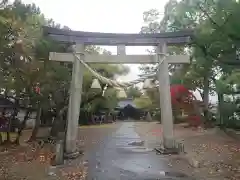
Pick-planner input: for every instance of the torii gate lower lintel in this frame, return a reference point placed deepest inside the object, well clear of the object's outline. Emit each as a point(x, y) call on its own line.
point(161, 40)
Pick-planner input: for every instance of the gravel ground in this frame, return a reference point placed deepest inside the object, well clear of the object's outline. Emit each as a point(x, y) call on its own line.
point(27, 162)
point(213, 154)
point(210, 154)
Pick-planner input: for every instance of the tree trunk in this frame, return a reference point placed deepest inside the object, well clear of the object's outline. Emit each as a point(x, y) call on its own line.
point(54, 129)
point(7, 141)
point(37, 124)
point(205, 97)
point(1, 139)
point(22, 125)
point(220, 110)
point(8, 137)
point(59, 122)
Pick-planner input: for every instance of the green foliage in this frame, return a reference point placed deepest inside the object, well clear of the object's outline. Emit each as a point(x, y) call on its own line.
point(133, 92)
point(24, 61)
point(230, 114)
point(143, 102)
point(215, 42)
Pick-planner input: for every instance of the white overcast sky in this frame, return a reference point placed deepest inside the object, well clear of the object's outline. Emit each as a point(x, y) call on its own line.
point(122, 16)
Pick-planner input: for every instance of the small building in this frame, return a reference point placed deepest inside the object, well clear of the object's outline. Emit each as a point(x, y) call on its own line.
point(123, 103)
point(127, 109)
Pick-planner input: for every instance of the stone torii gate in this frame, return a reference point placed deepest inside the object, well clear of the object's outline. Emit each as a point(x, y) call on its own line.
point(81, 39)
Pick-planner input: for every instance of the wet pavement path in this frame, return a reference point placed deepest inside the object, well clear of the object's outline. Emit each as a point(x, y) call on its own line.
point(119, 158)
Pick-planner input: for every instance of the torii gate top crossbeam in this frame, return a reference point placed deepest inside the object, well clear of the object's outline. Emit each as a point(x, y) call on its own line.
point(96, 38)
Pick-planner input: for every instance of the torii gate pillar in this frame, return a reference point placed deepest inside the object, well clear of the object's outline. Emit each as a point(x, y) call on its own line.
point(165, 98)
point(74, 103)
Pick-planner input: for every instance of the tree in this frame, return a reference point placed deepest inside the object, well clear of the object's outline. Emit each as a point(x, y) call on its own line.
point(133, 92)
point(25, 65)
point(215, 39)
point(143, 102)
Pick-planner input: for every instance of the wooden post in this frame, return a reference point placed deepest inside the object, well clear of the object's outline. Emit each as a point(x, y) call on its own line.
point(165, 99)
point(74, 104)
point(59, 152)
